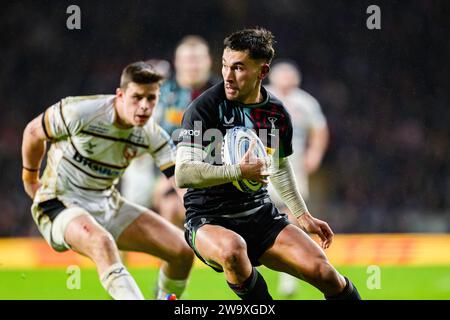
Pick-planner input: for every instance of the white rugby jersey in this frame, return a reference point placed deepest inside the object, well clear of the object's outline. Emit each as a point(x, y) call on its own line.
point(305, 114)
point(89, 152)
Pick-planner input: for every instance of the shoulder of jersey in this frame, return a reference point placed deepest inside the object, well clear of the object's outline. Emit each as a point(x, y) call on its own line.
point(209, 97)
point(87, 107)
point(272, 98)
point(88, 103)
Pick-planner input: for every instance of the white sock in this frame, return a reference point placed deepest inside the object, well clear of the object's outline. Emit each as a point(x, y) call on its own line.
point(169, 286)
point(120, 284)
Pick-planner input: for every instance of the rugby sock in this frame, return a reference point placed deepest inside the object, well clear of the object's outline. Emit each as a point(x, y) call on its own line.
point(349, 293)
point(254, 288)
point(167, 286)
point(120, 284)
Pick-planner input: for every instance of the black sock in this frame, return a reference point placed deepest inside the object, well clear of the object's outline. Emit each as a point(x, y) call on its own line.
point(349, 293)
point(254, 288)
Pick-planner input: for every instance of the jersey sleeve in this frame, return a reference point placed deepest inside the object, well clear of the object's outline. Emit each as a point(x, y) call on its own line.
point(161, 148)
point(63, 119)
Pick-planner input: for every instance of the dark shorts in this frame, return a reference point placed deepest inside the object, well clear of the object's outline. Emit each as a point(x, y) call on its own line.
point(259, 231)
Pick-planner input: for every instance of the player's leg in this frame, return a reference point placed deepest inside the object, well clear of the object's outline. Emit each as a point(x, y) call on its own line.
point(294, 252)
point(84, 235)
point(152, 234)
point(224, 249)
point(287, 284)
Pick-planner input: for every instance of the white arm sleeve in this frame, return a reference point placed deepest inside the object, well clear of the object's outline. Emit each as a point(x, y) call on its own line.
point(284, 183)
point(192, 172)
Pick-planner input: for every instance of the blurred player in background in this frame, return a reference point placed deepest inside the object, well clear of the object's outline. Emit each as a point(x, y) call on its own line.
point(192, 76)
point(233, 231)
point(309, 141)
point(76, 205)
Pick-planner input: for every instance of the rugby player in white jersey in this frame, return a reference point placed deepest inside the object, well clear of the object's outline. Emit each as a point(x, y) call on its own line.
point(309, 141)
point(76, 204)
point(192, 76)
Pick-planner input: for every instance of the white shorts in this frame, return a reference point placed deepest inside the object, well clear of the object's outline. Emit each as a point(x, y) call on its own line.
point(109, 209)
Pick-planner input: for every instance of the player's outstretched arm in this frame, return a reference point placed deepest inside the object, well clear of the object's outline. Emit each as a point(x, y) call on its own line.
point(33, 150)
point(284, 182)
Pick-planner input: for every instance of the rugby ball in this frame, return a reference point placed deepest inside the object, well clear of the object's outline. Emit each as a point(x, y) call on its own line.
point(235, 144)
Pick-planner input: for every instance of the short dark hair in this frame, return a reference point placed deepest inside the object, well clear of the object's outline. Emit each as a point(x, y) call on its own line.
point(258, 41)
point(139, 72)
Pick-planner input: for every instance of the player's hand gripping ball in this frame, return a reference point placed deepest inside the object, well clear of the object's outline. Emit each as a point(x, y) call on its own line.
point(235, 144)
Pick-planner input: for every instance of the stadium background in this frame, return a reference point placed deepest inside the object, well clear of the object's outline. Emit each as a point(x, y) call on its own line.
point(384, 92)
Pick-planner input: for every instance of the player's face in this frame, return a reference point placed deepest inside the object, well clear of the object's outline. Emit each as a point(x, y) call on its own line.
point(284, 78)
point(242, 75)
point(193, 65)
point(136, 103)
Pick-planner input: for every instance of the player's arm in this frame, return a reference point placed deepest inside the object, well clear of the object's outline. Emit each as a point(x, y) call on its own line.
point(192, 172)
point(33, 150)
point(316, 147)
point(284, 183)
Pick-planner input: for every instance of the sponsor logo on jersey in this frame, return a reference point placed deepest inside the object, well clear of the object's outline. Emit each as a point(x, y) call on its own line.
point(228, 122)
point(136, 138)
point(190, 133)
point(100, 128)
point(94, 166)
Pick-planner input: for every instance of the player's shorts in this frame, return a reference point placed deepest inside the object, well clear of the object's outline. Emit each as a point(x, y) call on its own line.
point(109, 209)
point(259, 230)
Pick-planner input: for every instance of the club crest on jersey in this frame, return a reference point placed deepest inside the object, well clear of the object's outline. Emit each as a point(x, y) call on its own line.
point(272, 121)
point(129, 152)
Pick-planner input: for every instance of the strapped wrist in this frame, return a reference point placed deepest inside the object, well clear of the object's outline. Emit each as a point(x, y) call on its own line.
point(30, 169)
point(30, 175)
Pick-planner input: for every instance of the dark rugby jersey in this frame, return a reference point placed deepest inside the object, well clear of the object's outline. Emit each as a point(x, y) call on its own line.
point(211, 113)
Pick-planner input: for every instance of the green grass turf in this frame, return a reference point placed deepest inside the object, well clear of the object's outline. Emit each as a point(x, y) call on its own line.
point(396, 283)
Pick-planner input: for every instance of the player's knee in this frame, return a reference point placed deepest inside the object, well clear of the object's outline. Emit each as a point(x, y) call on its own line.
point(324, 273)
point(182, 255)
point(233, 251)
point(186, 255)
point(102, 243)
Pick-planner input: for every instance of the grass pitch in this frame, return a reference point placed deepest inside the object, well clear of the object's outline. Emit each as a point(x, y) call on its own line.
point(396, 282)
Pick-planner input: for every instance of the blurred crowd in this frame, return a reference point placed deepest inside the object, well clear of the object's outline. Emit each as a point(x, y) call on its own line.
point(385, 92)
